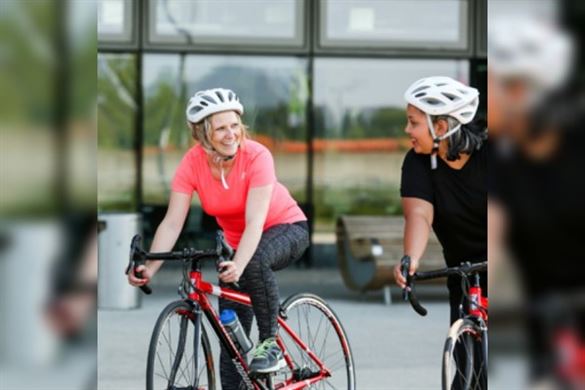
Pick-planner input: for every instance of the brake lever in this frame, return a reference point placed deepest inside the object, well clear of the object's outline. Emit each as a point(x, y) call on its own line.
point(225, 253)
point(137, 258)
point(404, 268)
point(220, 271)
point(407, 292)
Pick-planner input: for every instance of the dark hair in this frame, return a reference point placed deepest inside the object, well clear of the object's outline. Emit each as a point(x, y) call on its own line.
point(469, 138)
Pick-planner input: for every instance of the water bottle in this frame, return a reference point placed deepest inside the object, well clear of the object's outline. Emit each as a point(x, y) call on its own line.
point(230, 321)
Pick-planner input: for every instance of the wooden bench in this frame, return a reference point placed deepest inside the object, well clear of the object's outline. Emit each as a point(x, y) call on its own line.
point(368, 247)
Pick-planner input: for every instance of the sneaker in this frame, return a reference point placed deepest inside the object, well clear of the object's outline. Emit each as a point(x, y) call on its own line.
point(267, 358)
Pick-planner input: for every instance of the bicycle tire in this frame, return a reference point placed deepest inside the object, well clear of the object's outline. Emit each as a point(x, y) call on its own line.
point(464, 342)
point(334, 352)
point(175, 316)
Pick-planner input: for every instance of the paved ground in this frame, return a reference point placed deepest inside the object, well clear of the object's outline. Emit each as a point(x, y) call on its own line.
point(393, 347)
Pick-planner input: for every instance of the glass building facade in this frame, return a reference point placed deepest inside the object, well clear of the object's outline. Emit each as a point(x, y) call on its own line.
point(322, 83)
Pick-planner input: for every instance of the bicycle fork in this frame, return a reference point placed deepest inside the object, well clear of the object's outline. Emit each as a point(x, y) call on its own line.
point(181, 346)
point(180, 350)
point(196, 342)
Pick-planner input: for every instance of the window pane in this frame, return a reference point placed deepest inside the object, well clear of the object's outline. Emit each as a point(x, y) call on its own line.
point(114, 20)
point(547, 10)
point(116, 157)
point(272, 89)
point(398, 23)
point(360, 142)
point(227, 21)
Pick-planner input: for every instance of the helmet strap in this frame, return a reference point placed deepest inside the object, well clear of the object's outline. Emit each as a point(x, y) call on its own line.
point(434, 153)
point(219, 159)
point(223, 181)
point(438, 139)
point(224, 157)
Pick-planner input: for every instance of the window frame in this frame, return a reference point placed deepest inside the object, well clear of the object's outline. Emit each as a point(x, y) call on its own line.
point(463, 48)
point(298, 44)
point(129, 38)
point(480, 28)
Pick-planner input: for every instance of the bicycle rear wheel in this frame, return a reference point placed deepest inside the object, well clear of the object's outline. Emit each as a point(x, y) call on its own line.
point(464, 357)
point(318, 327)
point(171, 363)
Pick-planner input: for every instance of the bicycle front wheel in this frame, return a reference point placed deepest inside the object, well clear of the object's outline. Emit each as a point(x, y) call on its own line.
point(315, 323)
point(464, 358)
point(171, 355)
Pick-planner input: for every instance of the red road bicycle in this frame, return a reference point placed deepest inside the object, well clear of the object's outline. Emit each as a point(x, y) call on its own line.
point(465, 355)
point(181, 356)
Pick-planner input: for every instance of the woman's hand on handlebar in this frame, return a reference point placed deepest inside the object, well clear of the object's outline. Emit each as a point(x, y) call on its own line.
point(400, 280)
point(230, 272)
point(147, 274)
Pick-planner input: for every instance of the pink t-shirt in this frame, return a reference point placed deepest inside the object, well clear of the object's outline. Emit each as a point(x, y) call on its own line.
point(253, 167)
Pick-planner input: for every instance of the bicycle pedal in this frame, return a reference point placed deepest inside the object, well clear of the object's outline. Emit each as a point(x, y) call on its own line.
point(266, 375)
point(303, 373)
point(261, 375)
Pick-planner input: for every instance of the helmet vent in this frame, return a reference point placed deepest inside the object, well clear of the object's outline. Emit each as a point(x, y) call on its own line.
point(433, 101)
point(208, 98)
point(450, 96)
point(219, 96)
point(421, 88)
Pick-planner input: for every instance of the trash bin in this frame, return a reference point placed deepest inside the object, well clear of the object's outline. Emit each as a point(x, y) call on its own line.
point(26, 261)
point(116, 232)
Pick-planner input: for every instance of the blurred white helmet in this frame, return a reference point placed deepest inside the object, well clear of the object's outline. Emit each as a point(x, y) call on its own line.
point(440, 95)
point(526, 48)
point(211, 101)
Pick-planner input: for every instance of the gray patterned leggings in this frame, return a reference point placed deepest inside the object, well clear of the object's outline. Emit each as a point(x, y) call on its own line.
point(279, 247)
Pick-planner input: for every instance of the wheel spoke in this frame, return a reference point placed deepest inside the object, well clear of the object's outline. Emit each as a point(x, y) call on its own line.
point(318, 328)
point(173, 329)
point(463, 365)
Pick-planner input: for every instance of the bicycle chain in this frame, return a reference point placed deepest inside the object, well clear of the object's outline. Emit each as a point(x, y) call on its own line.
point(243, 373)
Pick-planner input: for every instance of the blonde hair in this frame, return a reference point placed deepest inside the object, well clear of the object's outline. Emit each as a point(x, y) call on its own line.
point(202, 131)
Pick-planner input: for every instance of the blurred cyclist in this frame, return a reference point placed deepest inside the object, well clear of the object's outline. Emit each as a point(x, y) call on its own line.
point(537, 191)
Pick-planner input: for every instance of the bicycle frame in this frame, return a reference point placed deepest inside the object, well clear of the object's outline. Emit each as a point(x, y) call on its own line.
point(477, 311)
point(198, 295)
point(478, 304)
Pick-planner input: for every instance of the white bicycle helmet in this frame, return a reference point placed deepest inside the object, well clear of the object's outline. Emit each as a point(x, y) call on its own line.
point(523, 47)
point(211, 101)
point(440, 95)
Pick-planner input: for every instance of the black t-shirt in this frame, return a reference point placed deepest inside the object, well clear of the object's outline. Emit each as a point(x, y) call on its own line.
point(459, 199)
point(544, 203)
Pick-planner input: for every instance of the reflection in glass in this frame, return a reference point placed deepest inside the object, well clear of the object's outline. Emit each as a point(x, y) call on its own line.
point(274, 93)
point(210, 21)
point(114, 20)
point(111, 17)
point(359, 137)
point(396, 23)
point(116, 106)
point(545, 10)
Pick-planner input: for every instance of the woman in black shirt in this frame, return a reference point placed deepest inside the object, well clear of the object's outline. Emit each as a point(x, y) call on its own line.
point(450, 193)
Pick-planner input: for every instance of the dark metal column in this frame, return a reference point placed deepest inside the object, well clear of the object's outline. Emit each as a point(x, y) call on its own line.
point(141, 14)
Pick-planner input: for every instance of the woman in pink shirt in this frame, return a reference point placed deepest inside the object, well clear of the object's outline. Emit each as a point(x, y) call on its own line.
point(235, 180)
